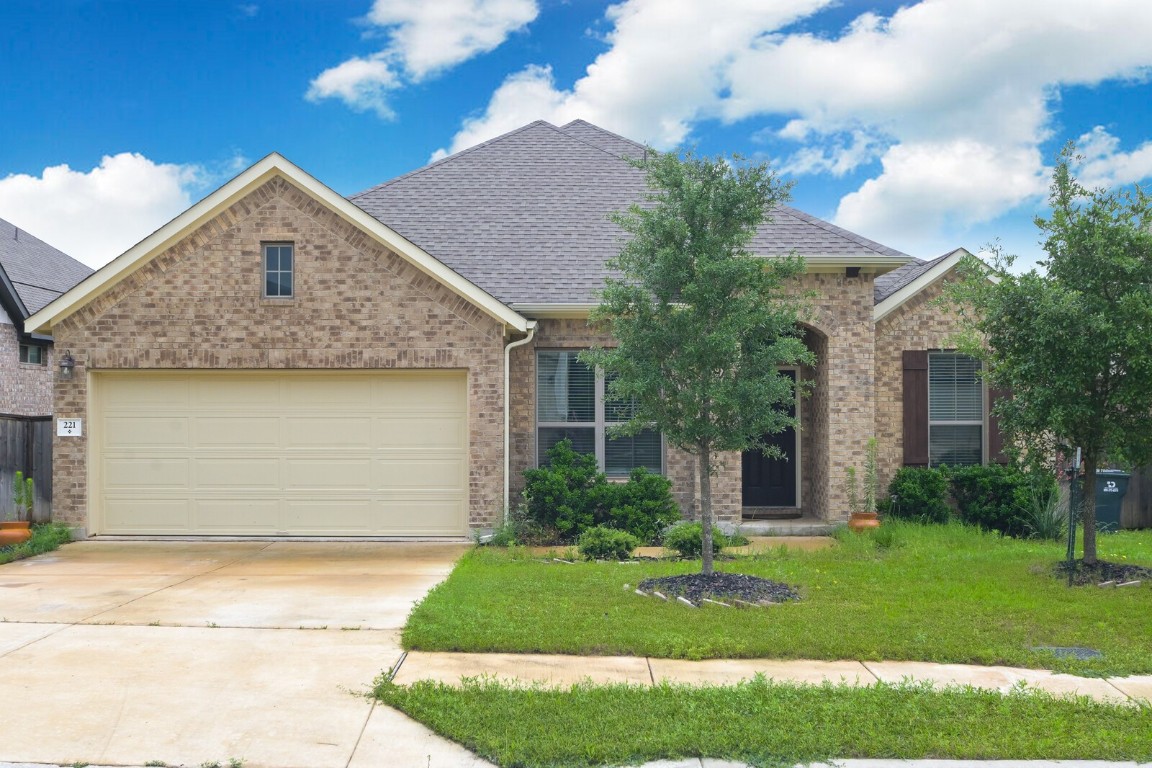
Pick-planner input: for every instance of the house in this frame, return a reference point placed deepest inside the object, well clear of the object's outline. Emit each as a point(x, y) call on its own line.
point(32, 273)
point(281, 360)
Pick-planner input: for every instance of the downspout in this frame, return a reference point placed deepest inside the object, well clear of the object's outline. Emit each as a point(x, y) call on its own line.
point(507, 399)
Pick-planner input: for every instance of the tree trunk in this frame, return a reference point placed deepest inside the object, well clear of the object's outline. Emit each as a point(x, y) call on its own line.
point(704, 466)
point(1088, 501)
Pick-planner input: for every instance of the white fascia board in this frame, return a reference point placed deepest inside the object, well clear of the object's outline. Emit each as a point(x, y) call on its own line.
point(212, 205)
point(869, 265)
point(897, 300)
point(556, 311)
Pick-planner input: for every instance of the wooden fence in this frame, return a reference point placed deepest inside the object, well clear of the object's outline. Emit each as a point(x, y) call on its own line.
point(26, 446)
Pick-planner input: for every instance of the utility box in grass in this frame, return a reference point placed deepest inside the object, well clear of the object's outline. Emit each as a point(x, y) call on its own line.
point(1111, 485)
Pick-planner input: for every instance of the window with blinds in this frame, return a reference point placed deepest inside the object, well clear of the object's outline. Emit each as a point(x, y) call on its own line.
point(955, 410)
point(571, 403)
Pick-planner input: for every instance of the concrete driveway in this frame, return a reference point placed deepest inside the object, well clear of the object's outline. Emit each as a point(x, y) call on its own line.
point(191, 652)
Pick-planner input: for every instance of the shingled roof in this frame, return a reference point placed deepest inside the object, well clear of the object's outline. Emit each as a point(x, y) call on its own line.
point(889, 283)
point(525, 215)
point(37, 271)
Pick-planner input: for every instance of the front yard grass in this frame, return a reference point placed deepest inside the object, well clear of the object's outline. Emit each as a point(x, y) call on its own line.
point(939, 593)
point(768, 724)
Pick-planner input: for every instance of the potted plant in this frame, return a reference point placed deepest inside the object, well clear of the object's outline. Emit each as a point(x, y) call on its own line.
point(23, 498)
point(862, 509)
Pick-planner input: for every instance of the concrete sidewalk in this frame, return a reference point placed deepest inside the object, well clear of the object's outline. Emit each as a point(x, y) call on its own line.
point(565, 670)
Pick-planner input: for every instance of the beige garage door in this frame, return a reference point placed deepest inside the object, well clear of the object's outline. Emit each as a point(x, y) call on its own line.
point(256, 453)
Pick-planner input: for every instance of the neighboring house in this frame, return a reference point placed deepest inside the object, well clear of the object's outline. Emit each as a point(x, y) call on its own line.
point(281, 360)
point(32, 273)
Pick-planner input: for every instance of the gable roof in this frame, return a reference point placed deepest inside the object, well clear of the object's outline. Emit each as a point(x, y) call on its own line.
point(211, 206)
point(525, 215)
point(36, 272)
point(896, 287)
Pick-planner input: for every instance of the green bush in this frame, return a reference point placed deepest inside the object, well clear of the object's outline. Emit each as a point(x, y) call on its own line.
point(687, 539)
point(602, 543)
point(998, 497)
point(919, 493)
point(570, 495)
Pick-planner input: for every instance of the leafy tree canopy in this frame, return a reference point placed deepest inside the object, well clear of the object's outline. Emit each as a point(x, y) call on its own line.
point(1073, 340)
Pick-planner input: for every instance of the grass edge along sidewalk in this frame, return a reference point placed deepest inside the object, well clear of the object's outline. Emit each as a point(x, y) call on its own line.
point(767, 723)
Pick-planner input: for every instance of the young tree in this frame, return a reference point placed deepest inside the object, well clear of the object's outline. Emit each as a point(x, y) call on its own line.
point(1074, 343)
point(701, 324)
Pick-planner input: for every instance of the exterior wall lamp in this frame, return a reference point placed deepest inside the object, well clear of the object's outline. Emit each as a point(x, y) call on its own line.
point(67, 364)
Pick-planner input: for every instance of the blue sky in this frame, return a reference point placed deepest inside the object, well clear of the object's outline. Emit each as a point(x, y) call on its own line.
point(926, 126)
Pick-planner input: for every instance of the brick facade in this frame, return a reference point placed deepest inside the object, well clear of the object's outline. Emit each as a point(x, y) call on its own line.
point(920, 323)
point(835, 420)
point(25, 389)
point(199, 305)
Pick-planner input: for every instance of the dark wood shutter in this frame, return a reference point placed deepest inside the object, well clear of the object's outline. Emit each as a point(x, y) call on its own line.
point(915, 408)
point(996, 453)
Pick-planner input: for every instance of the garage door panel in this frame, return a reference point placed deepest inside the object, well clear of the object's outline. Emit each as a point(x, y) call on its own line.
point(147, 515)
point(410, 432)
point(347, 394)
point(238, 431)
point(237, 516)
point(147, 474)
point(271, 453)
point(237, 393)
point(328, 474)
point(434, 393)
point(417, 516)
point(305, 432)
point(432, 474)
point(237, 473)
point(146, 431)
point(166, 391)
point(329, 516)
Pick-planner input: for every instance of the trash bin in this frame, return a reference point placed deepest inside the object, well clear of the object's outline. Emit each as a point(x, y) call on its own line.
point(1111, 485)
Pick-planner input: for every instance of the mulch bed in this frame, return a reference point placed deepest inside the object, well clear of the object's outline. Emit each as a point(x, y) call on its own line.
point(697, 586)
point(1102, 571)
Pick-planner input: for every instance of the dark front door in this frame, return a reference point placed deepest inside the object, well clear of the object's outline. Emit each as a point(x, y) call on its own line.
point(771, 482)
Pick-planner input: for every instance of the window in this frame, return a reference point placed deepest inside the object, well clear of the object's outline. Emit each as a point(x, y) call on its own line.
point(570, 403)
point(955, 410)
point(278, 270)
point(29, 353)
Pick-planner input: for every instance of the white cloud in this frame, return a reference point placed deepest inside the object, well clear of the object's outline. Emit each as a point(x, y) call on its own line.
point(424, 39)
point(664, 69)
point(954, 96)
point(95, 216)
point(1103, 164)
point(362, 84)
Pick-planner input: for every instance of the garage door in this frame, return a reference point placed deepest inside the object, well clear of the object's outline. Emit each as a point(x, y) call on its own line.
point(257, 453)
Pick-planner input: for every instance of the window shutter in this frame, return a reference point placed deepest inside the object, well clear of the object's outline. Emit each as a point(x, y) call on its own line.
point(915, 408)
point(995, 438)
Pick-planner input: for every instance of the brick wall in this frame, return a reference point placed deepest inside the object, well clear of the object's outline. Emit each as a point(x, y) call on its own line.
point(921, 323)
point(199, 305)
point(25, 390)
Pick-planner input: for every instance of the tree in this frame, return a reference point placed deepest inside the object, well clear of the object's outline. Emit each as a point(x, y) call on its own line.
point(701, 324)
point(1073, 343)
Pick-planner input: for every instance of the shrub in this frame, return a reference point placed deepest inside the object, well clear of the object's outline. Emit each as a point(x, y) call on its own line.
point(687, 539)
point(919, 493)
point(570, 495)
point(997, 497)
point(602, 543)
point(643, 506)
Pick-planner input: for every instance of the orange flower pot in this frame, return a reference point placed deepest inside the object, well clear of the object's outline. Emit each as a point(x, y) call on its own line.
point(14, 532)
point(862, 521)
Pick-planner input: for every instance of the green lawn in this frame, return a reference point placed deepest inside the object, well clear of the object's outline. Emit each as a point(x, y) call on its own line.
point(768, 724)
point(45, 538)
point(943, 594)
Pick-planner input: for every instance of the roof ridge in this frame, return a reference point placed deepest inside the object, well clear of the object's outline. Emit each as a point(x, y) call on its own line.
point(453, 156)
point(828, 226)
point(582, 121)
